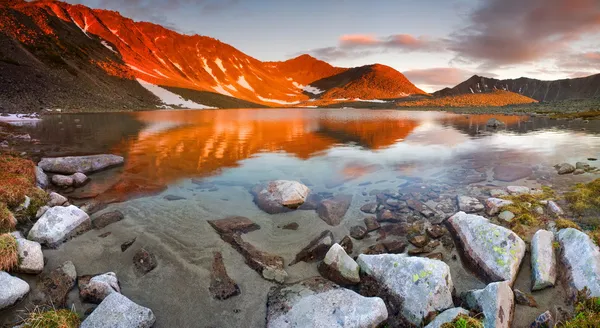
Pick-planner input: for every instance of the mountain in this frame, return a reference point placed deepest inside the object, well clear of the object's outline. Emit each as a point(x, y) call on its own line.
point(495, 98)
point(578, 88)
point(57, 55)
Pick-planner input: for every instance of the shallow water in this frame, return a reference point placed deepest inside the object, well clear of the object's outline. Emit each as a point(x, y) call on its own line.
point(336, 151)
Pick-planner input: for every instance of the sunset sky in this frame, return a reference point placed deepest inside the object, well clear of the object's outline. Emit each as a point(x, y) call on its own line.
point(436, 43)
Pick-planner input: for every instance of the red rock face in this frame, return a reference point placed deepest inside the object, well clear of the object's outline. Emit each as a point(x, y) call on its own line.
point(152, 53)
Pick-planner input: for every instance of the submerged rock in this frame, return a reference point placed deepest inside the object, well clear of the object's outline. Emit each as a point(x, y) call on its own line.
point(469, 204)
point(358, 232)
point(144, 261)
point(233, 224)
point(13, 289)
point(446, 317)
point(495, 301)
point(415, 287)
point(543, 260)
point(581, 260)
point(494, 123)
point(95, 289)
point(79, 179)
point(107, 219)
point(83, 164)
point(332, 210)
point(316, 249)
point(510, 173)
point(316, 302)
point(59, 224)
point(268, 265)
point(222, 286)
point(31, 256)
point(494, 250)
point(338, 267)
point(57, 284)
point(117, 311)
point(280, 196)
point(565, 168)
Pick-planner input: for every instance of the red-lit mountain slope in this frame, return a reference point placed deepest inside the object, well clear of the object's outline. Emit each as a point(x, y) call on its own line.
point(93, 59)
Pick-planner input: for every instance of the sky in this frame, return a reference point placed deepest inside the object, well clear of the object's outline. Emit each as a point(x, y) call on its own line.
point(435, 43)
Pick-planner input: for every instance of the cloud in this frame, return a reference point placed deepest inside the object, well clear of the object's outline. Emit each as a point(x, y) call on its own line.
point(509, 32)
point(363, 45)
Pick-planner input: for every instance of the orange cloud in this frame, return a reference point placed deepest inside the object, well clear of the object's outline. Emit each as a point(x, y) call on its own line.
point(358, 39)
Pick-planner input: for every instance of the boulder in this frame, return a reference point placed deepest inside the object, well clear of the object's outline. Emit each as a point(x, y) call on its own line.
point(565, 168)
point(469, 204)
point(221, 286)
point(57, 199)
point(581, 260)
point(31, 256)
point(269, 266)
point(56, 284)
point(332, 210)
point(59, 224)
point(338, 267)
point(420, 207)
point(496, 302)
point(494, 123)
point(446, 317)
point(117, 311)
point(316, 249)
point(280, 196)
point(543, 260)
point(415, 286)
point(95, 289)
point(582, 166)
point(316, 302)
point(494, 205)
point(41, 179)
point(83, 164)
point(494, 251)
point(79, 179)
point(107, 218)
point(62, 181)
point(13, 289)
point(518, 190)
point(233, 224)
point(144, 261)
point(510, 173)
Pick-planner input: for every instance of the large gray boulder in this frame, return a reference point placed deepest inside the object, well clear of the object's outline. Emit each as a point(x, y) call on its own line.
point(316, 302)
point(83, 164)
point(31, 256)
point(280, 196)
point(12, 290)
point(418, 286)
point(494, 251)
point(543, 261)
point(338, 267)
point(446, 317)
point(581, 259)
point(59, 224)
point(565, 168)
point(117, 311)
point(496, 301)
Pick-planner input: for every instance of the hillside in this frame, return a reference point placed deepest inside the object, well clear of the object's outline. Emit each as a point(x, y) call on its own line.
point(579, 88)
point(57, 55)
point(494, 99)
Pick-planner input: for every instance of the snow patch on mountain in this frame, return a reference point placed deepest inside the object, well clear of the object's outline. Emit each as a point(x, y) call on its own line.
point(141, 71)
point(219, 89)
point(219, 63)
point(178, 66)
point(170, 98)
point(242, 81)
point(282, 102)
point(160, 73)
point(208, 69)
point(104, 43)
point(371, 100)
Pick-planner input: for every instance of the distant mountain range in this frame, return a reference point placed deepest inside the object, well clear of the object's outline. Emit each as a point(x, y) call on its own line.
point(57, 55)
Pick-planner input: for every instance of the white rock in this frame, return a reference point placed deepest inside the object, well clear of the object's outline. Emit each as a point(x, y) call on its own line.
point(338, 267)
point(447, 317)
point(494, 205)
point(62, 181)
point(506, 216)
point(497, 193)
point(496, 251)
point(421, 285)
point(79, 179)
point(469, 204)
point(41, 211)
point(581, 259)
point(57, 199)
point(41, 178)
point(316, 302)
point(554, 209)
point(518, 190)
point(83, 164)
point(32, 258)
point(117, 311)
point(13, 289)
point(496, 301)
point(59, 224)
point(543, 261)
point(280, 195)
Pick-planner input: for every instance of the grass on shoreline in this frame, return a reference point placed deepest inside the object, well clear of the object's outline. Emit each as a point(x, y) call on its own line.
point(7, 220)
point(62, 318)
point(9, 254)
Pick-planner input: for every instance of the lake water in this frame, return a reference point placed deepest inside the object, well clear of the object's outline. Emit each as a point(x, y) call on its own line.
point(212, 158)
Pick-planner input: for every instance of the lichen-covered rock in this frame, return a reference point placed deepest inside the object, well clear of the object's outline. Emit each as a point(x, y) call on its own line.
point(543, 260)
point(418, 286)
point(338, 267)
point(316, 249)
point(83, 164)
point(12, 290)
point(316, 302)
point(117, 311)
point(469, 204)
point(280, 196)
point(59, 224)
point(95, 289)
point(496, 302)
point(446, 317)
point(581, 259)
point(31, 256)
point(41, 179)
point(333, 210)
point(494, 250)
point(494, 205)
